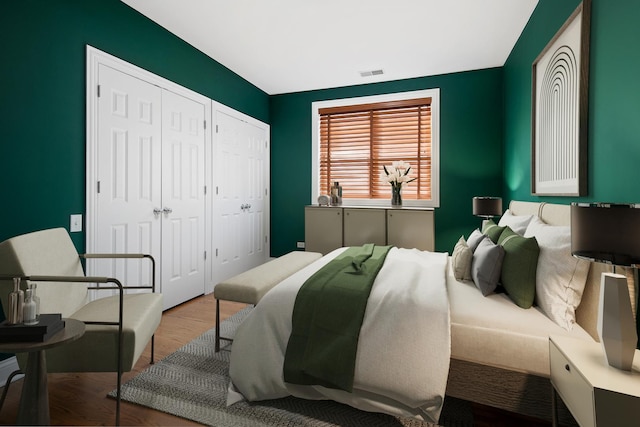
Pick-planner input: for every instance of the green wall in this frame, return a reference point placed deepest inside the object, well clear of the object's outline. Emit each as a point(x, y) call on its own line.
point(614, 100)
point(485, 120)
point(42, 97)
point(470, 144)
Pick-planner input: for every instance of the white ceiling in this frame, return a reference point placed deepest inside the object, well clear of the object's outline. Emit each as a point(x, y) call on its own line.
point(284, 46)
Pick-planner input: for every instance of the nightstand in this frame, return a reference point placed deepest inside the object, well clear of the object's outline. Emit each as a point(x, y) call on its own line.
point(595, 393)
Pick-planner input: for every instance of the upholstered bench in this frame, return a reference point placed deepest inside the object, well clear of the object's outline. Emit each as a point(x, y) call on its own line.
point(249, 287)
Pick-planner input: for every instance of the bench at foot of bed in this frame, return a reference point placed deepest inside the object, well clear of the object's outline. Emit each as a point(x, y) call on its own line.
point(249, 287)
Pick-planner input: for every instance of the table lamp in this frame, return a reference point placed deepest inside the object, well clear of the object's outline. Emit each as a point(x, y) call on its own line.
point(610, 233)
point(487, 207)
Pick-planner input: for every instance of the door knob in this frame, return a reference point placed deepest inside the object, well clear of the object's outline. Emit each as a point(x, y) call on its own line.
point(167, 210)
point(157, 211)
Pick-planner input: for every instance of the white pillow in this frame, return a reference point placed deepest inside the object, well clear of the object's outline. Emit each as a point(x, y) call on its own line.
point(474, 239)
point(461, 260)
point(517, 223)
point(560, 277)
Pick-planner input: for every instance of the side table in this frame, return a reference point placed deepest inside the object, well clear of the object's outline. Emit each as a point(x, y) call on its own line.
point(596, 394)
point(34, 401)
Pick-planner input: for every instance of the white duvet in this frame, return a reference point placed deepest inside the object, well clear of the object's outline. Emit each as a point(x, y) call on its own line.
point(403, 354)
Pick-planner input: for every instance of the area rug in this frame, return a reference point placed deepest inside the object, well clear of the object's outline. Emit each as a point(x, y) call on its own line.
point(192, 383)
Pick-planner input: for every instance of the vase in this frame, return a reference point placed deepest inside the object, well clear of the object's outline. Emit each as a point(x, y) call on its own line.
point(616, 327)
point(396, 195)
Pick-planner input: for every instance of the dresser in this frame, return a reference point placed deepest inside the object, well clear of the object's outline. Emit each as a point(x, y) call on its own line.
point(330, 227)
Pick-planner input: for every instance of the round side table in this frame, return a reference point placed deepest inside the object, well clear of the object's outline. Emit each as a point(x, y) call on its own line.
point(34, 401)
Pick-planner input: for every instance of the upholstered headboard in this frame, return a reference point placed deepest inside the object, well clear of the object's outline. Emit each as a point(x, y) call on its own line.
point(587, 311)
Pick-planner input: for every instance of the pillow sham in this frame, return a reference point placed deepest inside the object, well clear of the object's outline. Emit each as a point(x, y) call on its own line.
point(461, 260)
point(492, 230)
point(486, 266)
point(560, 277)
point(517, 223)
point(474, 239)
point(518, 276)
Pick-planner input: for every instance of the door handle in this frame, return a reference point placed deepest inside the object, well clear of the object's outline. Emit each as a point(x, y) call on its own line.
point(157, 211)
point(167, 210)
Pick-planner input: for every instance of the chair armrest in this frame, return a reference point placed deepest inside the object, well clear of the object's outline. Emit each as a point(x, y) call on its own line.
point(75, 279)
point(129, 256)
point(116, 256)
point(83, 279)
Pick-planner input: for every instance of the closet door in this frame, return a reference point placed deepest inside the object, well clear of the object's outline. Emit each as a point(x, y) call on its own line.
point(240, 213)
point(151, 186)
point(183, 199)
point(255, 195)
point(128, 185)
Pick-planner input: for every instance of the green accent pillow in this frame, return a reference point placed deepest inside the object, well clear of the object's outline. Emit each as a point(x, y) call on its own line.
point(519, 266)
point(492, 230)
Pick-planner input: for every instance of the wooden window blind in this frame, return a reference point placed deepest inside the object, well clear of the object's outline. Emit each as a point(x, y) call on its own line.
point(357, 141)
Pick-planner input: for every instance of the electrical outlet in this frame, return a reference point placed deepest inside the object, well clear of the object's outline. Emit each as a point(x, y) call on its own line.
point(75, 223)
point(300, 245)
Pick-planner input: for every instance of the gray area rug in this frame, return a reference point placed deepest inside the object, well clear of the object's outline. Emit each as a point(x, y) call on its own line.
point(192, 383)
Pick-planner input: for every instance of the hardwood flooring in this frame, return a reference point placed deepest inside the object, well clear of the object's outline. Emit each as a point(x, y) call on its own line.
point(80, 399)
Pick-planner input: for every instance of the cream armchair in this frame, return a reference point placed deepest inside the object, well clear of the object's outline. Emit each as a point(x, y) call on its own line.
point(118, 327)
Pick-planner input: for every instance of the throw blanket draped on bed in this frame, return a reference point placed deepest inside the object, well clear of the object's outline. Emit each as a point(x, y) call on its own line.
point(402, 360)
point(327, 317)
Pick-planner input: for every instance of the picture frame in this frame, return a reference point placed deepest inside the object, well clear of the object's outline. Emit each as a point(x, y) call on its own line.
point(560, 109)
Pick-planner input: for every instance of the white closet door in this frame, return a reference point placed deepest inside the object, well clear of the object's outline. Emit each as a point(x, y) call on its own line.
point(229, 174)
point(255, 195)
point(240, 213)
point(183, 199)
point(128, 175)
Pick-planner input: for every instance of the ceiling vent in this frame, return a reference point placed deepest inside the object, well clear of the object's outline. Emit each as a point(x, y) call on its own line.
point(371, 73)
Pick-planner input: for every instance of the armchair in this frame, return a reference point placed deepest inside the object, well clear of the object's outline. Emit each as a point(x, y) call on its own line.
point(118, 327)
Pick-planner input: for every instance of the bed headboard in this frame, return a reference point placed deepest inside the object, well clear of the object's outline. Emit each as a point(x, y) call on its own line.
point(587, 311)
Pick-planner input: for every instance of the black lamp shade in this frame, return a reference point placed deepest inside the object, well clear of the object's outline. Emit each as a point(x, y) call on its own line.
point(604, 232)
point(487, 206)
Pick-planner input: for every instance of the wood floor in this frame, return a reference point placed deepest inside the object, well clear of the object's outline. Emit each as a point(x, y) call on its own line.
point(80, 399)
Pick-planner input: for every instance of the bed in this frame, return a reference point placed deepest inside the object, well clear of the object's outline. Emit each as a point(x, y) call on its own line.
point(491, 352)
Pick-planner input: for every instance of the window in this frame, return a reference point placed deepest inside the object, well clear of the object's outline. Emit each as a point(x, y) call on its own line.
point(355, 138)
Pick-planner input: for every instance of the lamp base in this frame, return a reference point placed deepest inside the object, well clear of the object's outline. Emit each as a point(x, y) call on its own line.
point(616, 326)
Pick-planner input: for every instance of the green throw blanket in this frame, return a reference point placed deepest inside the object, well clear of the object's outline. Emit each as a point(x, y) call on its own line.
point(327, 317)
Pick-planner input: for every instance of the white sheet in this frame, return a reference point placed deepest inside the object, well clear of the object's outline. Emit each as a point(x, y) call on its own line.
point(404, 348)
point(494, 331)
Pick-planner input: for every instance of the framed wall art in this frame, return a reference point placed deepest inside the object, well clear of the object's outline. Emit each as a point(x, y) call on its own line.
point(560, 78)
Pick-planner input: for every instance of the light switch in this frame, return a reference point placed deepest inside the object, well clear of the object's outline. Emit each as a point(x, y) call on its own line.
point(76, 223)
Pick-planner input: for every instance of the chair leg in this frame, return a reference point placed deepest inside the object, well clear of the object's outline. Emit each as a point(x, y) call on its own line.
point(120, 350)
point(153, 344)
point(7, 384)
point(118, 396)
point(217, 325)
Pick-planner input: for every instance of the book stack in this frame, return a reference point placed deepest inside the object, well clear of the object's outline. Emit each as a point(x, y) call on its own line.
point(48, 326)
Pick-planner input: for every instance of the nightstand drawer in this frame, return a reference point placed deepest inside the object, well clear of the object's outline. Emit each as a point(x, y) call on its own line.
point(574, 390)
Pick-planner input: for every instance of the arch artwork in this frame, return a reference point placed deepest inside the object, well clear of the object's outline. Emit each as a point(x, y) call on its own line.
point(560, 112)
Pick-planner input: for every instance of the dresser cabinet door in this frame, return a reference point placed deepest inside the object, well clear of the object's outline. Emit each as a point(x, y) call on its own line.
point(411, 229)
point(322, 229)
point(364, 226)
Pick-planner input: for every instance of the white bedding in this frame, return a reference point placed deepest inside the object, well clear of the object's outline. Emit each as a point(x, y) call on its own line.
point(494, 331)
point(404, 348)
